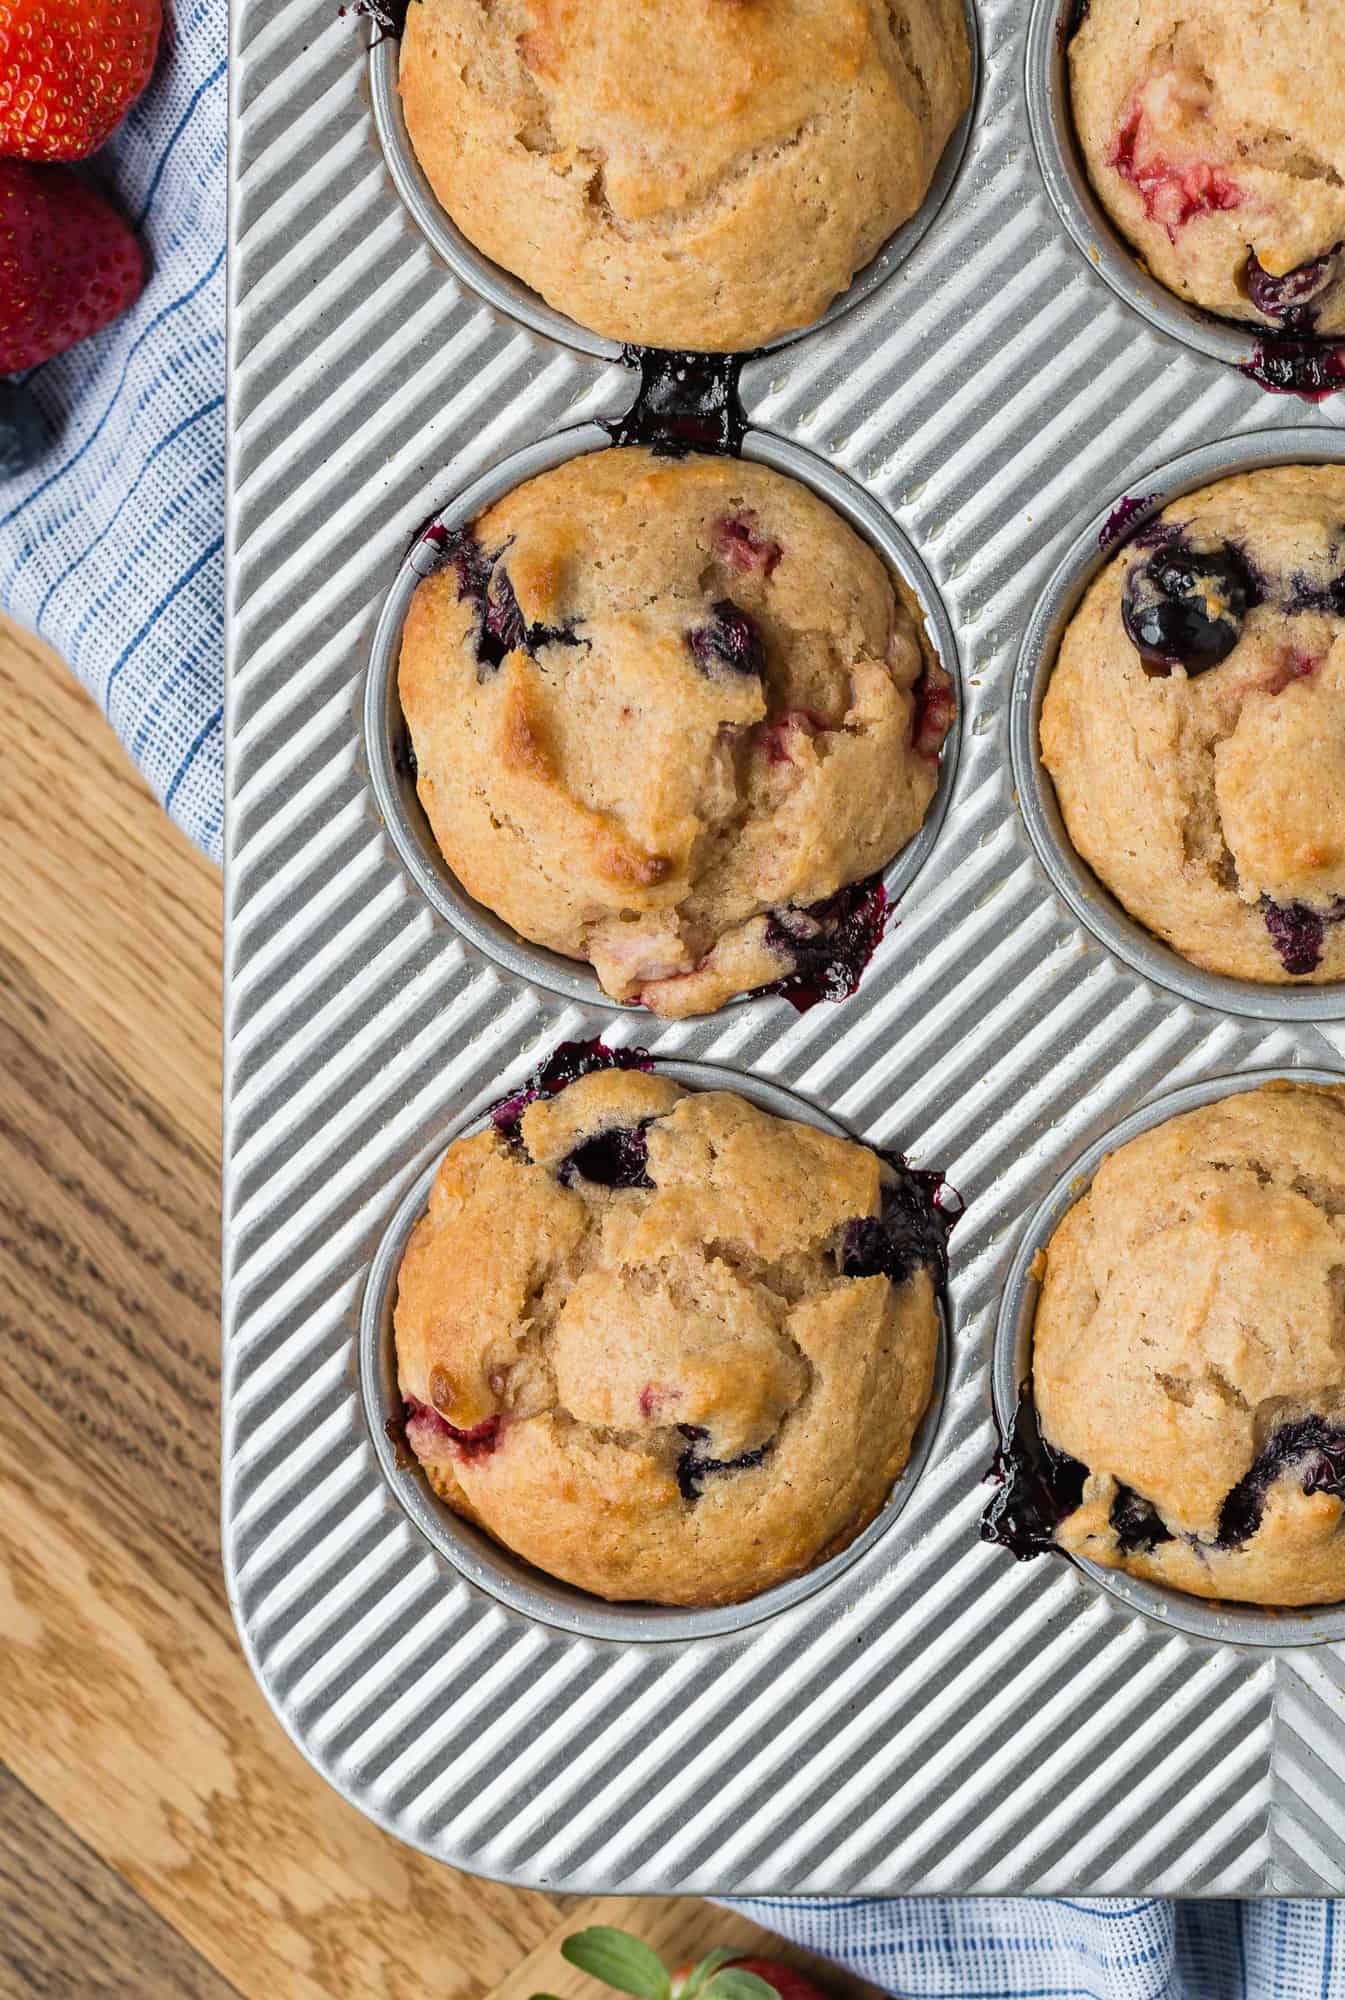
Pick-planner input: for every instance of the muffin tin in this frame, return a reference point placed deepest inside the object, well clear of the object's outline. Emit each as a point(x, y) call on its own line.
point(932, 1716)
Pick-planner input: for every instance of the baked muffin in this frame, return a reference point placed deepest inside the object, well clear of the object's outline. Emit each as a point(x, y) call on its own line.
point(1194, 725)
point(700, 174)
point(661, 710)
point(1188, 1357)
point(1213, 136)
point(662, 1345)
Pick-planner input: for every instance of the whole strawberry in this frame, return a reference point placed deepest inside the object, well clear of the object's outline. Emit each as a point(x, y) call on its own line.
point(68, 264)
point(70, 70)
point(631, 1966)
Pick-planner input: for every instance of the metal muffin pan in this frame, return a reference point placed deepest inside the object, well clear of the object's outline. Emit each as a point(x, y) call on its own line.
point(1095, 547)
point(1229, 1623)
point(385, 730)
point(938, 1717)
point(509, 295)
point(515, 1582)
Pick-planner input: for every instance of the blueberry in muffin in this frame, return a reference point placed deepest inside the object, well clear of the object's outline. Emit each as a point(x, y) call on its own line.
point(1186, 1418)
point(667, 715)
point(1212, 135)
point(1194, 725)
point(693, 174)
point(662, 1345)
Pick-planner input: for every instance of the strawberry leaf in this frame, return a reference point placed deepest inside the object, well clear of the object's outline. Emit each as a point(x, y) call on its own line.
point(733, 1983)
point(705, 1969)
point(625, 1962)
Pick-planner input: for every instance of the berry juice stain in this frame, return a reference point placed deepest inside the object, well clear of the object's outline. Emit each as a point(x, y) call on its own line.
point(685, 403)
point(830, 943)
point(1313, 370)
point(388, 17)
point(1119, 524)
point(1039, 1487)
point(917, 1213)
point(564, 1066)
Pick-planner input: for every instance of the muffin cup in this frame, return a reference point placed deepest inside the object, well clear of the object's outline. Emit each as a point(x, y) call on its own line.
point(394, 788)
point(1090, 901)
point(1228, 1623)
point(516, 300)
point(494, 1568)
point(1051, 119)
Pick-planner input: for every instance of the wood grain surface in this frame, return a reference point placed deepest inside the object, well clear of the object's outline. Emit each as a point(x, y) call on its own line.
point(159, 1834)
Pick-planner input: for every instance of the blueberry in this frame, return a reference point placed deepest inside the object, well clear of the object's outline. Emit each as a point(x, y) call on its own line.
point(909, 1231)
point(1298, 933)
point(693, 1468)
point(1136, 1521)
point(1185, 609)
point(729, 639)
point(1291, 300)
point(615, 1159)
point(22, 438)
point(1313, 1444)
point(1039, 1487)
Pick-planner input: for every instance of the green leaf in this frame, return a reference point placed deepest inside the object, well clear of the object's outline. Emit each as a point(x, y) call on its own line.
point(622, 1961)
point(706, 1968)
point(733, 1983)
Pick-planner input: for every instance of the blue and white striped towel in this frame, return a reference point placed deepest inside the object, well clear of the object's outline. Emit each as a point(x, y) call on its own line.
point(112, 549)
point(112, 546)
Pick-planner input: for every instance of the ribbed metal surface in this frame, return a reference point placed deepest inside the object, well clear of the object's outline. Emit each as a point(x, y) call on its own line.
point(940, 1719)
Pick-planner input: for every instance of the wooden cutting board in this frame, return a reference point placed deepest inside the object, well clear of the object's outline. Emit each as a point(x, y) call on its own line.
point(159, 1834)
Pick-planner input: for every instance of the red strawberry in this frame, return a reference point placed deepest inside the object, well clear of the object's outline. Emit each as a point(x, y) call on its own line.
point(788, 1982)
point(70, 70)
point(68, 264)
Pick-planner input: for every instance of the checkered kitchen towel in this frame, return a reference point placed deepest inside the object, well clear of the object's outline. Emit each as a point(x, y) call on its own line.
point(112, 548)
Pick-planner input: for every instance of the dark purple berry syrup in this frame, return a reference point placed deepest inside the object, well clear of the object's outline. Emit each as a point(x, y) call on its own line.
point(1039, 1487)
point(1294, 299)
point(484, 583)
point(918, 1211)
point(1313, 370)
point(693, 1469)
point(564, 1066)
point(686, 403)
point(1119, 524)
point(388, 16)
point(1136, 1522)
point(830, 943)
point(1311, 1445)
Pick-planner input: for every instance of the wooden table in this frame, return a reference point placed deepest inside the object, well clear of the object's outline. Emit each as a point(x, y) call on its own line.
point(159, 1835)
